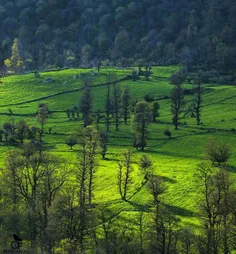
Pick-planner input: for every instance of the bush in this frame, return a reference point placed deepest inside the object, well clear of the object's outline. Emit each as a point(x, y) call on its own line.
point(167, 133)
point(71, 141)
point(148, 98)
point(218, 152)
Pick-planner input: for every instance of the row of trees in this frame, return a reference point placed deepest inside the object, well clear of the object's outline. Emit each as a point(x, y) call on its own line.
point(19, 131)
point(118, 104)
point(178, 104)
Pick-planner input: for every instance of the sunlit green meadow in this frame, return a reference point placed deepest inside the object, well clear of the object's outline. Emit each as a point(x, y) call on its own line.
point(175, 160)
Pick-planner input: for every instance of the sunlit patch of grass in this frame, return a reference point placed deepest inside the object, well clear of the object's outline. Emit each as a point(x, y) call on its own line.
point(174, 160)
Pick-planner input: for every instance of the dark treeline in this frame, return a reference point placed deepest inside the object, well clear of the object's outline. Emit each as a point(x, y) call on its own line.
point(63, 33)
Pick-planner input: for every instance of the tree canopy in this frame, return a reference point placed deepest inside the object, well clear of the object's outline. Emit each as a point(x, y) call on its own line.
point(79, 32)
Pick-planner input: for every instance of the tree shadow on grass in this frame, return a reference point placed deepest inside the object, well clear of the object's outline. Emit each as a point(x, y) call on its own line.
point(112, 159)
point(173, 154)
point(179, 211)
point(167, 179)
point(140, 207)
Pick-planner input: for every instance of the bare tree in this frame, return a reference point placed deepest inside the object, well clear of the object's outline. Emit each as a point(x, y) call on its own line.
point(124, 173)
point(108, 102)
point(116, 104)
point(177, 103)
point(197, 104)
point(126, 103)
point(37, 177)
point(55, 174)
point(42, 117)
point(103, 144)
point(108, 108)
point(163, 230)
point(89, 142)
point(85, 105)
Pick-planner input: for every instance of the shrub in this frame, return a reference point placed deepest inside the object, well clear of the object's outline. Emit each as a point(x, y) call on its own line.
point(71, 141)
point(148, 98)
point(167, 133)
point(218, 152)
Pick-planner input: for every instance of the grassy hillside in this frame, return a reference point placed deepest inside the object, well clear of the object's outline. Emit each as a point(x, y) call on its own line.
point(175, 160)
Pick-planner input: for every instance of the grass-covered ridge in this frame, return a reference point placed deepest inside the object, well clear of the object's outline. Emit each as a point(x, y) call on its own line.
point(175, 160)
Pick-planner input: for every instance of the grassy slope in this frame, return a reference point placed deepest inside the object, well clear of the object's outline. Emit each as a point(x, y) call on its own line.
point(175, 160)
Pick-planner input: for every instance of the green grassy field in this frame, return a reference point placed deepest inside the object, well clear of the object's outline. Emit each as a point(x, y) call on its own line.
point(175, 160)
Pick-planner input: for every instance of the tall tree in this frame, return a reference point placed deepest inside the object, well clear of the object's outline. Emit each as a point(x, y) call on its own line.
point(37, 178)
point(155, 110)
point(142, 117)
point(108, 102)
point(197, 104)
point(217, 198)
point(108, 108)
point(42, 117)
point(116, 104)
point(86, 103)
point(177, 104)
point(21, 130)
point(124, 174)
point(103, 144)
point(126, 103)
point(89, 142)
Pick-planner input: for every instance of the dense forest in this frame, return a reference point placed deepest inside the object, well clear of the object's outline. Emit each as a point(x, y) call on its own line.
point(63, 33)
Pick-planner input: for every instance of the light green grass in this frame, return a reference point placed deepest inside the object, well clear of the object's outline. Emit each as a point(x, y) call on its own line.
point(174, 160)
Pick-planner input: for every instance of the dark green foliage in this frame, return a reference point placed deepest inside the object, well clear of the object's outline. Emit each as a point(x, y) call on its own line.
point(218, 152)
point(155, 110)
point(148, 98)
point(145, 165)
point(142, 117)
point(178, 78)
point(21, 130)
point(71, 141)
point(103, 144)
point(165, 32)
point(167, 133)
